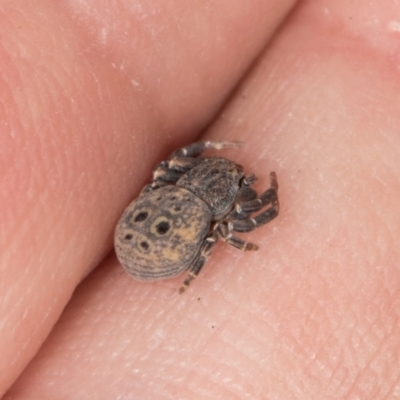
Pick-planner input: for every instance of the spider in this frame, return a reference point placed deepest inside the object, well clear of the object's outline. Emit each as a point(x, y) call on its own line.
point(191, 203)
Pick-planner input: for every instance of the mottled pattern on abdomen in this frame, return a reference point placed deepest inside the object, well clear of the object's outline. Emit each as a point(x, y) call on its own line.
point(160, 233)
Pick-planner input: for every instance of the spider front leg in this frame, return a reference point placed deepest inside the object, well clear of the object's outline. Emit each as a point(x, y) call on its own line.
point(244, 196)
point(199, 261)
point(270, 196)
point(183, 160)
point(169, 172)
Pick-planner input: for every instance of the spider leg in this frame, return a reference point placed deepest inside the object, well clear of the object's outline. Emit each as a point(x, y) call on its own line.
point(245, 195)
point(245, 224)
point(181, 161)
point(162, 176)
point(225, 234)
point(249, 180)
point(199, 260)
point(163, 172)
point(169, 172)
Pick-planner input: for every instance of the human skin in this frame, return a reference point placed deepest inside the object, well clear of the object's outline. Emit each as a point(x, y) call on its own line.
point(94, 94)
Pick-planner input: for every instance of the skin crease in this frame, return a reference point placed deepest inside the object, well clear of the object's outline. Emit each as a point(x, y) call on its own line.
point(314, 313)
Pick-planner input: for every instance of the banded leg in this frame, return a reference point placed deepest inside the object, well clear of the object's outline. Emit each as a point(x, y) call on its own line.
point(225, 234)
point(270, 196)
point(170, 171)
point(249, 180)
point(162, 176)
point(245, 194)
point(199, 261)
point(162, 172)
point(196, 148)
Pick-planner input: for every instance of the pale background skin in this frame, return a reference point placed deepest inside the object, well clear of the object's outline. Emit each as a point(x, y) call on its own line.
point(94, 93)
